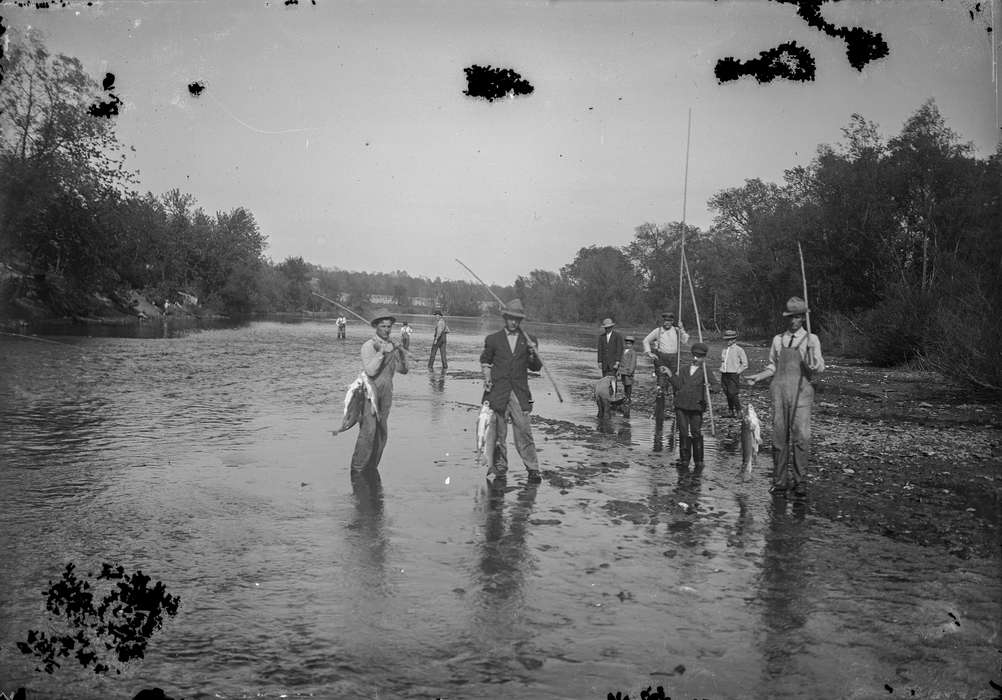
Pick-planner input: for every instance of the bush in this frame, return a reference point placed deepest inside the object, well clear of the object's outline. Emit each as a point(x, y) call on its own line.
point(897, 327)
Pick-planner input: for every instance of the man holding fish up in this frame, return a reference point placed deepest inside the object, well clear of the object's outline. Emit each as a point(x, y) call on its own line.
point(381, 358)
point(507, 357)
point(794, 357)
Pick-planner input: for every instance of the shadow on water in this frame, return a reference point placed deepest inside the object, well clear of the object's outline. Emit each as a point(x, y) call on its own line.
point(503, 565)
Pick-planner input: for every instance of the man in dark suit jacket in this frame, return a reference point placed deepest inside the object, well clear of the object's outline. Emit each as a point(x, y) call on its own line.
point(610, 348)
point(507, 357)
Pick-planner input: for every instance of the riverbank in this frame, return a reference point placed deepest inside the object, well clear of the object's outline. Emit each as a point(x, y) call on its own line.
point(902, 453)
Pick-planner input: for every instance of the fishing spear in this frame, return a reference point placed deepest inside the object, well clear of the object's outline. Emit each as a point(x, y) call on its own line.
point(498, 299)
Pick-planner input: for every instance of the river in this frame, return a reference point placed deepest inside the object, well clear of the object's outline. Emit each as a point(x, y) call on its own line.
point(204, 457)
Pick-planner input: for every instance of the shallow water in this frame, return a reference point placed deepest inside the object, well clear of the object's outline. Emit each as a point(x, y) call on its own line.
point(205, 459)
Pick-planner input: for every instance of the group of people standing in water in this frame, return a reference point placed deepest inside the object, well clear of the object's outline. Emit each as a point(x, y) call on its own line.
point(510, 354)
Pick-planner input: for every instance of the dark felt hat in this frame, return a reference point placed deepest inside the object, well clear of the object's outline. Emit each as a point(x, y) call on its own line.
point(513, 309)
point(700, 349)
point(608, 323)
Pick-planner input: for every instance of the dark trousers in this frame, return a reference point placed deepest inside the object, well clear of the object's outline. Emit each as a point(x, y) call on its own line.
point(730, 382)
point(690, 436)
point(439, 346)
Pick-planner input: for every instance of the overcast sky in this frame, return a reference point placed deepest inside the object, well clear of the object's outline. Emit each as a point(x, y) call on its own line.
point(343, 126)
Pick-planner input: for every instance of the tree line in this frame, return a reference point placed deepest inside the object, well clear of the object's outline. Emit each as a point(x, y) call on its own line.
point(900, 236)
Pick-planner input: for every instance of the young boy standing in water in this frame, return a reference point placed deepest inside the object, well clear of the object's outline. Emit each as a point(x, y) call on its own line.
point(733, 362)
point(627, 368)
point(690, 386)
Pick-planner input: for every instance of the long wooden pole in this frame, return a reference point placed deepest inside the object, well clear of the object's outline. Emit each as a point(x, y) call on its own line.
point(409, 354)
point(807, 314)
point(699, 329)
point(529, 342)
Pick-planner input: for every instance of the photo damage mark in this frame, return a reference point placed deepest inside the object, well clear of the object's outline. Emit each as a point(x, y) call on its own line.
point(195, 88)
point(796, 63)
point(107, 109)
point(495, 83)
point(785, 61)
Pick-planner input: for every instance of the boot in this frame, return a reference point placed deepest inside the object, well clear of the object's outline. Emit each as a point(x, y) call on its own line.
point(684, 451)
point(697, 451)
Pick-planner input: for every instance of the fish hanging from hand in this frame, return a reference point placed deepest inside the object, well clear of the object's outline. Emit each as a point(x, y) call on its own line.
point(486, 434)
point(361, 396)
point(751, 438)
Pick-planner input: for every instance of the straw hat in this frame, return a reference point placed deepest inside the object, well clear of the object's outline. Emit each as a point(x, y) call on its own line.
point(629, 339)
point(730, 335)
point(608, 323)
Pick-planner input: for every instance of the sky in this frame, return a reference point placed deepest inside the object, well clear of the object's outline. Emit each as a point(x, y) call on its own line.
point(344, 128)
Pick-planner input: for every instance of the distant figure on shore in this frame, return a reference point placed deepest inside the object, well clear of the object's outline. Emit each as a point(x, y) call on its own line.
point(733, 361)
point(381, 358)
point(438, 341)
point(794, 358)
point(405, 335)
point(342, 323)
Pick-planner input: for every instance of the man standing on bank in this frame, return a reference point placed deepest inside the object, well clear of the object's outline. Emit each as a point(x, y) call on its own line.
point(507, 357)
point(610, 348)
point(381, 358)
point(733, 361)
point(795, 356)
point(690, 403)
point(438, 341)
point(664, 343)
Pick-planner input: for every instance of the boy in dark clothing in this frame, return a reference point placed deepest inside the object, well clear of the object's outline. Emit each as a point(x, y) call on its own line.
point(690, 386)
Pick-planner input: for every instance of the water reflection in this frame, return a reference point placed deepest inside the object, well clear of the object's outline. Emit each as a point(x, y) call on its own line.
point(504, 560)
point(367, 531)
point(784, 583)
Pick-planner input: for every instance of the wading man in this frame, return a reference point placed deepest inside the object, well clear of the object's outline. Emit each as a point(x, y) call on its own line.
point(610, 348)
point(795, 356)
point(438, 341)
point(381, 359)
point(507, 357)
point(664, 342)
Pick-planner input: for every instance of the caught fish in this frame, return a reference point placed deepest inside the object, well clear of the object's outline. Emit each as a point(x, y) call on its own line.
point(361, 396)
point(751, 438)
point(486, 434)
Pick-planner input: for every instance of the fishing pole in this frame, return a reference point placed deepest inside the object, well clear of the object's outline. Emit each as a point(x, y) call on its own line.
point(40, 340)
point(807, 311)
point(681, 259)
point(410, 355)
point(498, 299)
point(699, 330)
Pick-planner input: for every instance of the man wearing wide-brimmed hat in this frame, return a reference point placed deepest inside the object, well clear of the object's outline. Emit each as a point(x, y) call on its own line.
point(795, 356)
point(507, 357)
point(733, 361)
point(381, 358)
point(610, 348)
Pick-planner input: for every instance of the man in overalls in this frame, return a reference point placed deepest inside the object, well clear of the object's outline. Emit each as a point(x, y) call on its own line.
point(795, 356)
